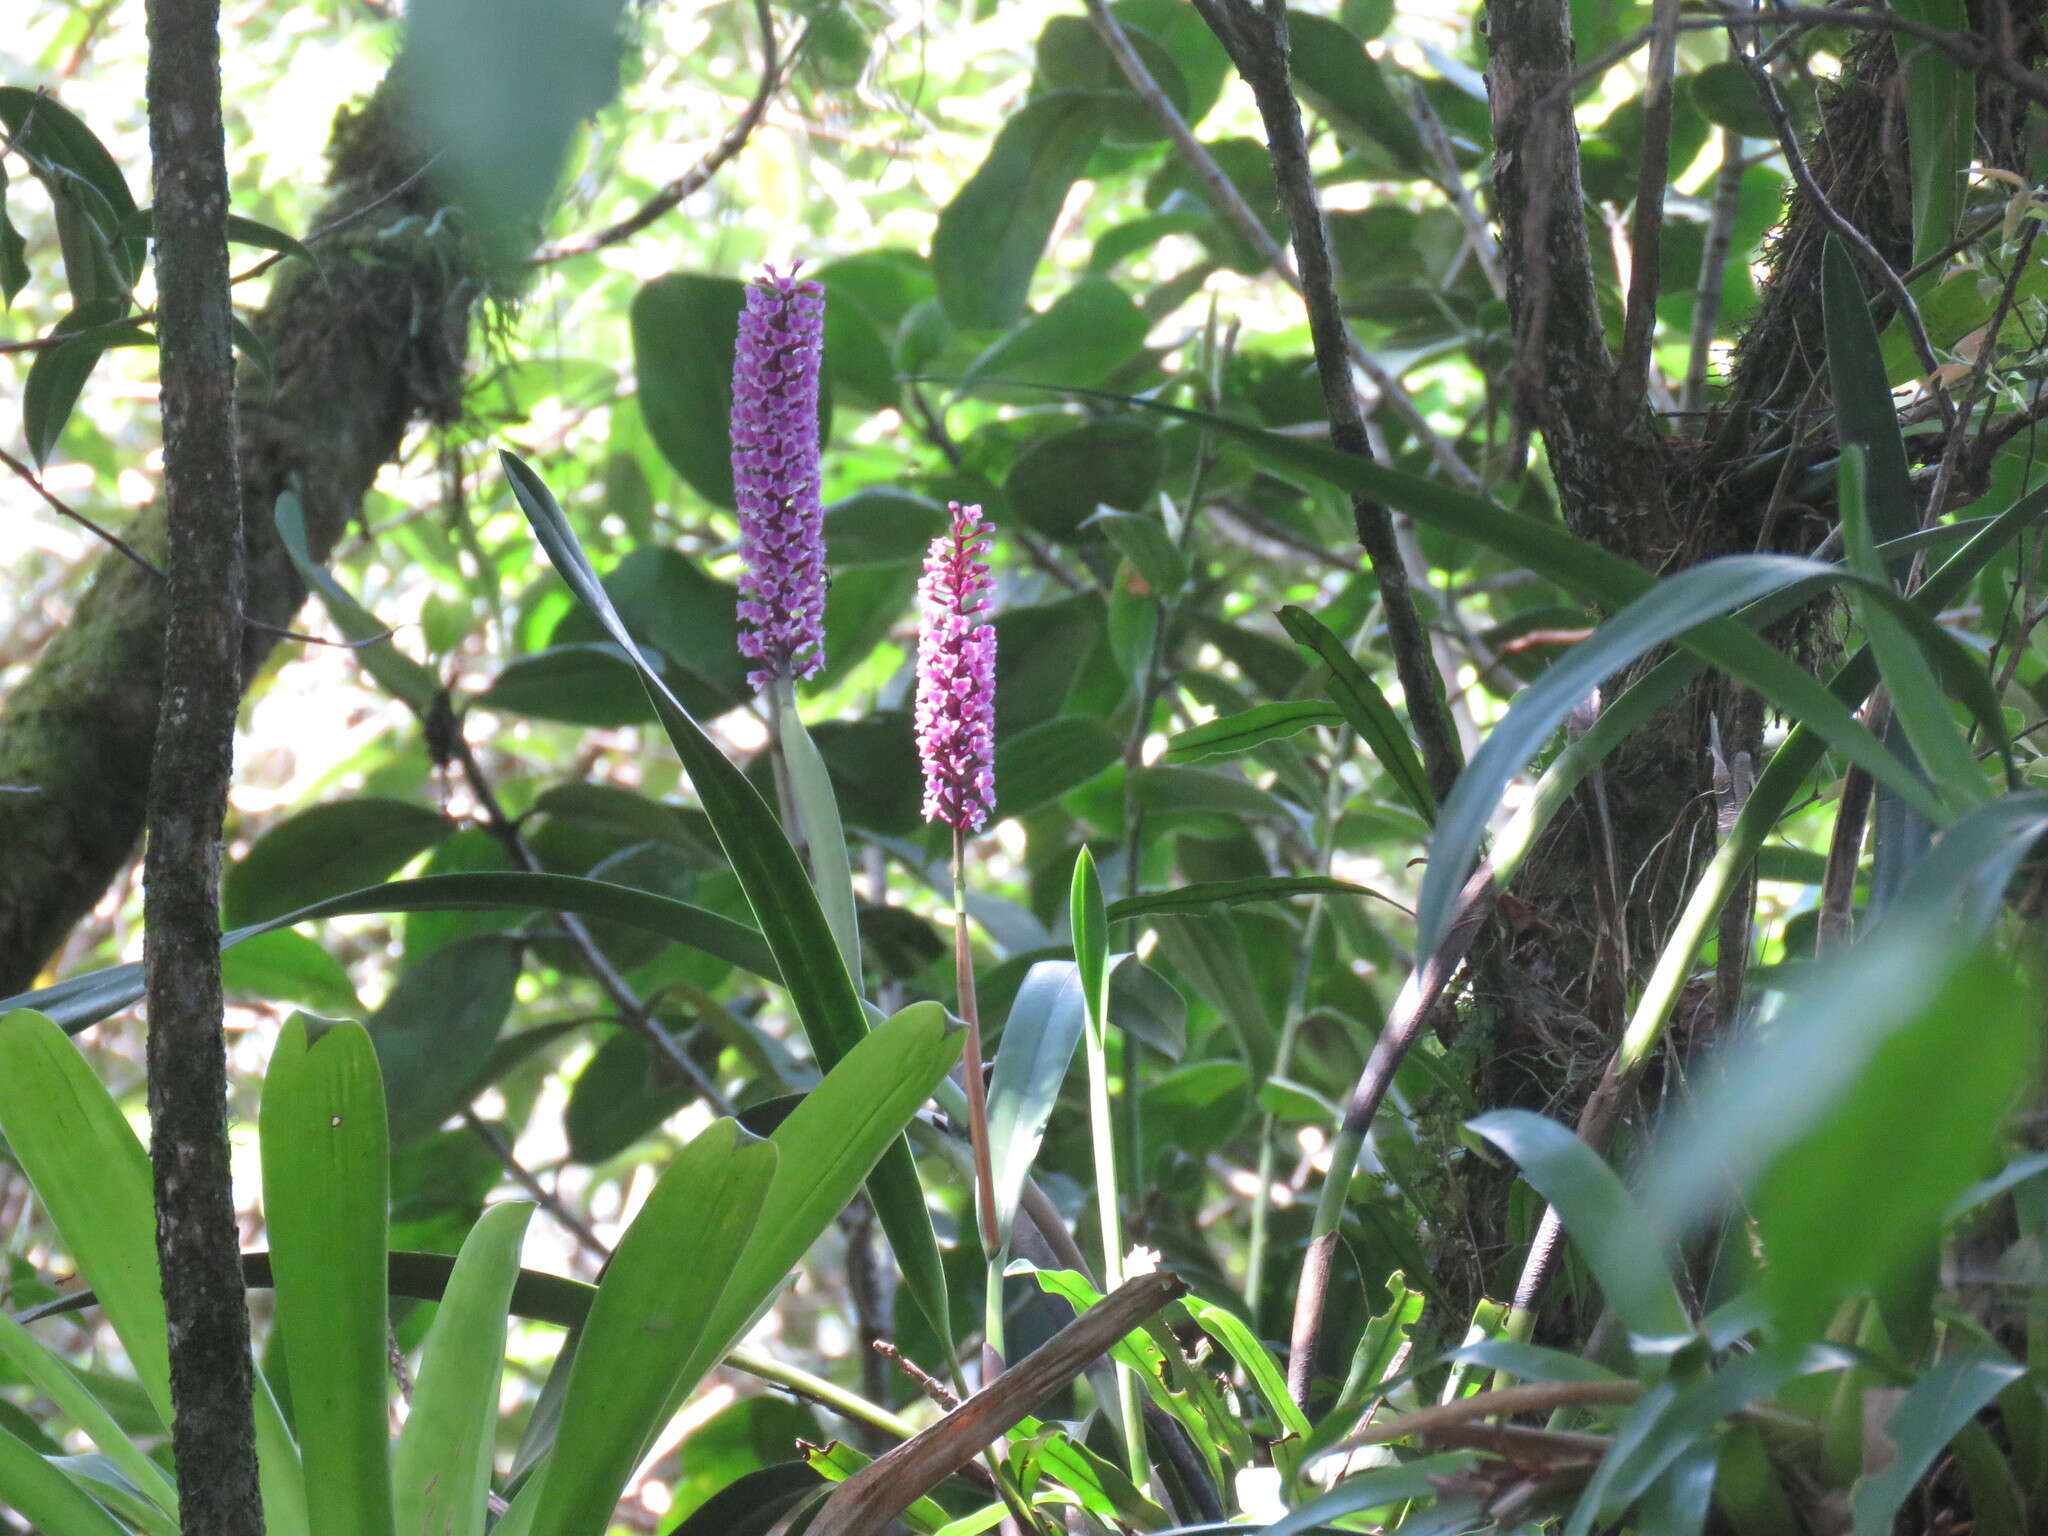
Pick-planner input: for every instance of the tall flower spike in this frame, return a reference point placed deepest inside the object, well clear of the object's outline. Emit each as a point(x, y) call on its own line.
point(956, 676)
point(775, 477)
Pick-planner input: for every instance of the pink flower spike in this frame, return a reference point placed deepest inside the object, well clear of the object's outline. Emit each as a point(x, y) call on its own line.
point(775, 477)
point(956, 676)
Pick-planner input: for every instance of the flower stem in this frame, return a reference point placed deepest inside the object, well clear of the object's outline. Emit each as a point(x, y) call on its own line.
point(977, 1107)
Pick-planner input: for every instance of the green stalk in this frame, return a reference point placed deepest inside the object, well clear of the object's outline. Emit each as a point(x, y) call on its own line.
point(977, 1118)
point(1283, 1053)
point(1090, 923)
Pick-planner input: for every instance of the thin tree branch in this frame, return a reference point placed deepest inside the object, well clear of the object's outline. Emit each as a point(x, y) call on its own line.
point(730, 144)
point(1223, 196)
point(1854, 238)
point(1403, 1027)
point(213, 1435)
point(1257, 43)
point(631, 1008)
point(1706, 304)
point(1646, 224)
point(105, 535)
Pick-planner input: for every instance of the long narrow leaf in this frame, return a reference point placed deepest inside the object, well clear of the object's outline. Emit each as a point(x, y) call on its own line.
point(1930, 1415)
point(768, 870)
point(441, 1472)
point(52, 1504)
point(1685, 602)
point(1602, 1219)
point(1045, 1024)
point(1362, 703)
point(52, 1378)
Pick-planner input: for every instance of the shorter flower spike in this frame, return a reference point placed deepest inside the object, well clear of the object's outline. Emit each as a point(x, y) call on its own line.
point(775, 477)
point(956, 676)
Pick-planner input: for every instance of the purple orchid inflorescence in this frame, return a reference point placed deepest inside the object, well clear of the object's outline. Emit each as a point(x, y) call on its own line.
point(956, 676)
point(775, 477)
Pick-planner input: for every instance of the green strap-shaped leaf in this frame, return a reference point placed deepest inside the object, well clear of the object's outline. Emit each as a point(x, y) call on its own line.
point(326, 1189)
point(1359, 697)
point(776, 887)
point(52, 1504)
point(1930, 1415)
point(658, 1300)
point(1250, 729)
point(1917, 697)
point(1045, 1024)
point(1864, 409)
point(441, 1472)
point(1602, 1220)
point(828, 1144)
point(52, 1378)
point(1204, 894)
point(84, 1000)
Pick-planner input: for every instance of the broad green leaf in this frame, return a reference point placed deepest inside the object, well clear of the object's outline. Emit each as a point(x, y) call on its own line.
point(396, 673)
point(436, 1029)
point(1037, 765)
point(881, 526)
point(1248, 730)
point(1940, 96)
point(286, 967)
point(1061, 481)
point(326, 1188)
point(990, 237)
point(1530, 1362)
point(579, 684)
point(623, 1092)
point(777, 889)
point(1072, 57)
point(1602, 1219)
point(1362, 703)
point(325, 850)
point(1346, 84)
point(685, 331)
point(93, 1179)
point(1045, 1023)
point(1142, 541)
point(441, 1472)
point(57, 374)
point(51, 1502)
point(14, 273)
point(1831, 1114)
point(657, 1302)
point(1932, 1413)
point(75, 166)
point(1082, 337)
point(1727, 97)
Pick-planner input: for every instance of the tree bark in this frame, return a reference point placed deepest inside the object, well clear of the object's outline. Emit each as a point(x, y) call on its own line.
point(367, 339)
point(198, 1249)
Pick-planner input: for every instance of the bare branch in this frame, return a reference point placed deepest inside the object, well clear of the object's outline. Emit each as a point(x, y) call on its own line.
point(730, 144)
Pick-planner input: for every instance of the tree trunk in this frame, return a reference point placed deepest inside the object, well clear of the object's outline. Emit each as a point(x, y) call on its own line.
point(370, 337)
